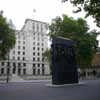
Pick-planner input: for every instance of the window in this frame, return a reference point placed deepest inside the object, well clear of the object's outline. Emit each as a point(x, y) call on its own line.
point(14, 70)
point(33, 48)
point(42, 65)
point(42, 44)
point(2, 63)
point(8, 70)
point(33, 59)
point(23, 47)
point(2, 70)
point(33, 53)
point(8, 63)
point(23, 53)
point(13, 52)
point(23, 42)
point(38, 48)
point(38, 59)
point(41, 28)
point(37, 27)
point(24, 71)
point(33, 43)
point(18, 47)
point(13, 57)
point(38, 53)
point(19, 64)
point(33, 26)
point(42, 59)
point(38, 65)
point(23, 58)
point(33, 65)
point(19, 71)
point(18, 52)
point(42, 49)
point(34, 71)
point(14, 64)
point(38, 44)
point(43, 71)
point(18, 58)
point(19, 42)
point(38, 71)
point(24, 64)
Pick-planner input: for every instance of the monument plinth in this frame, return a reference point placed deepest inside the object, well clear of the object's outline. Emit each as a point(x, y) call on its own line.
point(64, 67)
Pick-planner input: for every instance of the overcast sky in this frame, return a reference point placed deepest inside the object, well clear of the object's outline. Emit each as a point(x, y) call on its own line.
point(19, 10)
point(46, 10)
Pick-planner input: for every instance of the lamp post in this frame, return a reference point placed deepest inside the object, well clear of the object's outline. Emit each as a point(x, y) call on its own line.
point(8, 69)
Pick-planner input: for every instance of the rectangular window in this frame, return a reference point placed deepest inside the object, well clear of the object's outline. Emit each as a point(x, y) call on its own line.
point(13, 57)
point(13, 52)
point(33, 53)
point(38, 71)
point(18, 47)
point(24, 64)
point(23, 42)
point(19, 71)
point(38, 48)
point(38, 65)
point(38, 53)
point(23, 47)
point(14, 64)
point(24, 71)
point(33, 65)
point(2, 70)
point(23, 53)
point(33, 48)
point(23, 58)
point(38, 59)
point(14, 70)
point(33, 59)
point(43, 71)
point(2, 63)
point(34, 71)
point(18, 52)
point(18, 58)
point(19, 42)
point(19, 64)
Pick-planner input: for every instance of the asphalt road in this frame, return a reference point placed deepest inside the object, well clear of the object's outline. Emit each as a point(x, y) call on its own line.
point(89, 90)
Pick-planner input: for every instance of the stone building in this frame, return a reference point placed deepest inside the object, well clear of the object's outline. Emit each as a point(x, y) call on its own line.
point(26, 58)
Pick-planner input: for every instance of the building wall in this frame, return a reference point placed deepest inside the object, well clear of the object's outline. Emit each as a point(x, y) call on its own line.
point(26, 58)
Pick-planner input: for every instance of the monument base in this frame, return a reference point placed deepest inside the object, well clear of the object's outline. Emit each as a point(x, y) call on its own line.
point(65, 85)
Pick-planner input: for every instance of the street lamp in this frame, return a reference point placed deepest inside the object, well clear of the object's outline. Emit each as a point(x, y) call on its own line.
point(8, 70)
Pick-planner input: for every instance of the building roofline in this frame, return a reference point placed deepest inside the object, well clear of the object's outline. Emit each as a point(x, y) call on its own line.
point(34, 21)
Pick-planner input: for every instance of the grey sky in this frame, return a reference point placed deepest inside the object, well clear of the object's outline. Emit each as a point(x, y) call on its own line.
point(46, 10)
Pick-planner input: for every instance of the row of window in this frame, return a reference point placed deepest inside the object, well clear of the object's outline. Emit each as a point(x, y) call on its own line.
point(34, 48)
point(21, 64)
point(24, 71)
point(23, 58)
point(14, 64)
point(39, 27)
point(38, 48)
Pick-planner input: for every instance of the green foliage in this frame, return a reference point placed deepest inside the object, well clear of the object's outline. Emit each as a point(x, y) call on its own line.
point(76, 30)
point(7, 37)
point(91, 7)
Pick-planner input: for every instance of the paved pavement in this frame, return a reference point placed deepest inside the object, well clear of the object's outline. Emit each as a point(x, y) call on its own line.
point(38, 90)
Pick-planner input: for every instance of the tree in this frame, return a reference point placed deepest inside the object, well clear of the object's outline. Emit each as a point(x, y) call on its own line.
point(91, 7)
point(7, 37)
point(76, 30)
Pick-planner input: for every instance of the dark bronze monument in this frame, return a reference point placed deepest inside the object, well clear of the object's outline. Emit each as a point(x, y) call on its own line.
point(64, 68)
